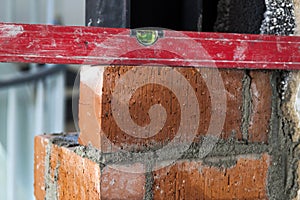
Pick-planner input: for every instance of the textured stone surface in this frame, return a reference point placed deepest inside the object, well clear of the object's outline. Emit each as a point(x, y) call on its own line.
point(291, 103)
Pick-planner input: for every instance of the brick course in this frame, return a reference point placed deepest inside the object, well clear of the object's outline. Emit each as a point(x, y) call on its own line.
point(98, 126)
point(63, 174)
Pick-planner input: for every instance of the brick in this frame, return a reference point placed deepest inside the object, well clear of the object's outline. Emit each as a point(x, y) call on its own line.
point(60, 173)
point(97, 97)
point(117, 184)
point(261, 100)
point(193, 180)
point(77, 178)
point(232, 80)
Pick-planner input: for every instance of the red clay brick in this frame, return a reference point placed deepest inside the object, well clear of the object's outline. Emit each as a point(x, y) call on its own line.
point(116, 183)
point(232, 80)
point(78, 178)
point(75, 177)
point(143, 98)
point(193, 180)
point(261, 93)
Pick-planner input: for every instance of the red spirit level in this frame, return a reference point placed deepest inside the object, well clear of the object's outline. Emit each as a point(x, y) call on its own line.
point(76, 45)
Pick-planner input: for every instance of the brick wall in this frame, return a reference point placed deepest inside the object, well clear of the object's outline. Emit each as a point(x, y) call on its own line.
point(254, 156)
point(73, 172)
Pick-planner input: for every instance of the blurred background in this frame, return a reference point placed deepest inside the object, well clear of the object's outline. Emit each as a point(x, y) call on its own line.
point(34, 98)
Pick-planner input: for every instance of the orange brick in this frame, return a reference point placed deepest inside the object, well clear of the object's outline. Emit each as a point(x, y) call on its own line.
point(193, 180)
point(78, 178)
point(40, 145)
point(118, 183)
point(66, 175)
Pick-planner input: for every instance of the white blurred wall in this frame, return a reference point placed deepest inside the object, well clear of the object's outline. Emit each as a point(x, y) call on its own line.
point(72, 12)
point(21, 11)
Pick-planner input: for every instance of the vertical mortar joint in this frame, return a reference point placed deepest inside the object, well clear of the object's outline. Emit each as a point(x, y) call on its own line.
point(247, 104)
point(149, 182)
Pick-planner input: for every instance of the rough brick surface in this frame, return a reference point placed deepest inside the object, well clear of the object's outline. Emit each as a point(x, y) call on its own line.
point(234, 89)
point(117, 184)
point(62, 174)
point(192, 180)
point(99, 127)
point(77, 178)
point(261, 101)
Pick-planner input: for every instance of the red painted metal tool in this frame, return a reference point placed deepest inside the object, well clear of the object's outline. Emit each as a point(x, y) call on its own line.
point(91, 45)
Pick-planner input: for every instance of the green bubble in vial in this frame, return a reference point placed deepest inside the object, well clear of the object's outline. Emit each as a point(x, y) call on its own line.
point(147, 37)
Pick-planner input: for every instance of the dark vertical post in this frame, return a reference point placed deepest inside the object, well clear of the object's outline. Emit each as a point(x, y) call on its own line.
point(209, 14)
point(184, 15)
point(108, 13)
point(156, 13)
point(191, 15)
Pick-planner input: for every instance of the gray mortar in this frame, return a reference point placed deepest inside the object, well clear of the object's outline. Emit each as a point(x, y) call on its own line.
point(227, 148)
point(222, 149)
point(282, 182)
point(50, 185)
point(247, 104)
point(220, 162)
point(66, 140)
point(149, 183)
point(276, 175)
